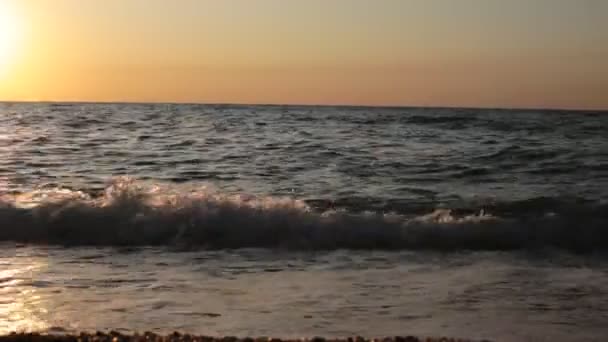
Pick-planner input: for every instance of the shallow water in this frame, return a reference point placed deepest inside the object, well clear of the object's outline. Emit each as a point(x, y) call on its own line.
point(500, 296)
point(301, 221)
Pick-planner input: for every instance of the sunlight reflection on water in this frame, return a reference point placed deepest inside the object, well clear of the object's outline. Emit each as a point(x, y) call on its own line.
point(21, 306)
point(254, 292)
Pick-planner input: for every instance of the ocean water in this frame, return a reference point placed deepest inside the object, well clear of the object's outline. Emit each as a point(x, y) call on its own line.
point(300, 221)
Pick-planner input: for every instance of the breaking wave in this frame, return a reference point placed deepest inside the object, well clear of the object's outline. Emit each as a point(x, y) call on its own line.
point(136, 213)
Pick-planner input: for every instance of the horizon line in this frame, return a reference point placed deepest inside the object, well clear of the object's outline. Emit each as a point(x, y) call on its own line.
point(271, 104)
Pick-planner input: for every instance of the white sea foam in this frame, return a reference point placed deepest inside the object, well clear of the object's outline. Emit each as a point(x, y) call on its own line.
point(135, 213)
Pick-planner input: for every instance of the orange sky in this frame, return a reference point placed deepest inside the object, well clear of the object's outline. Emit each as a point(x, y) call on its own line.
point(532, 53)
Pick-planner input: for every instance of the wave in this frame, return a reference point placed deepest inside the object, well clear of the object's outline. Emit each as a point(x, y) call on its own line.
point(512, 152)
point(441, 119)
point(137, 213)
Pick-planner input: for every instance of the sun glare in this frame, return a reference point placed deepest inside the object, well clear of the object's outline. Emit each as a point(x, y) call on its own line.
point(9, 33)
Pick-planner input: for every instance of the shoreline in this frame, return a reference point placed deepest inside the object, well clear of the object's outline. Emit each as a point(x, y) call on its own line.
point(184, 337)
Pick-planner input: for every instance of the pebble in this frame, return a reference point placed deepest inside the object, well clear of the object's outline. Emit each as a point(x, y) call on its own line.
point(147, 336)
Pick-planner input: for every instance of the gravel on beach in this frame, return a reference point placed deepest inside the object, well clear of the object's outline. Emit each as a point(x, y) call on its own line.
point(179, 337)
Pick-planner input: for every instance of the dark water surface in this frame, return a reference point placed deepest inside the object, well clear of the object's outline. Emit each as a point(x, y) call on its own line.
point(289, 221)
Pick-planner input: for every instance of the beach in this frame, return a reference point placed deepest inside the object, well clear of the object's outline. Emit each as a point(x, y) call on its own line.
point(178, 337)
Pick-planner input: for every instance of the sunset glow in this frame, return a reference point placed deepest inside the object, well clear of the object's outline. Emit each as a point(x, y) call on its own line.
point(545, 53)
point(9, 35)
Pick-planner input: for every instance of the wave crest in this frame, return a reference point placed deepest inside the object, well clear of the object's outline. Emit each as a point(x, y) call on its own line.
point(136, 213)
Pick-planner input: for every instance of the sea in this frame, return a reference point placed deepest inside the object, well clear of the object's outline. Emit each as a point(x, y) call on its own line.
point(301, 221)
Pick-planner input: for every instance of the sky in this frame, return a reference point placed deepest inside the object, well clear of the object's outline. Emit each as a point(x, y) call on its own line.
point(474, 53)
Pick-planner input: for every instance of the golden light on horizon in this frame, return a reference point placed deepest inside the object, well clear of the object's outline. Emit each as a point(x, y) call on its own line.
point(412, 52)
point(9, 38)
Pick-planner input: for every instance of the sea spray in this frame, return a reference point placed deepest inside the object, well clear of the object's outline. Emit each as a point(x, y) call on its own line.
point(139, 213)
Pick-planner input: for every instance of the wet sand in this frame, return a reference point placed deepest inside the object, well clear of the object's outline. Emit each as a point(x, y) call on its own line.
point(179, 337)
